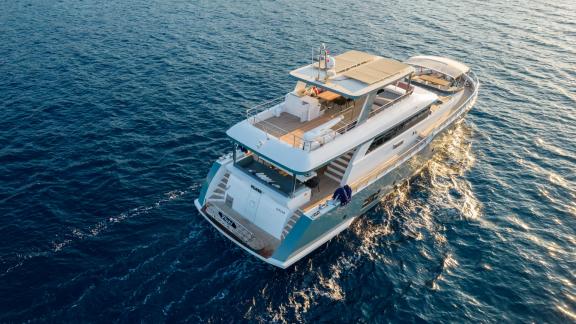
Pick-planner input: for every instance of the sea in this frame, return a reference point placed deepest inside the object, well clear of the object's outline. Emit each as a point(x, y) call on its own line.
point(111, 113)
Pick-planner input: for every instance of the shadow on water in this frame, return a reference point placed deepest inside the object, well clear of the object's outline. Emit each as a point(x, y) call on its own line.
point(401, 247)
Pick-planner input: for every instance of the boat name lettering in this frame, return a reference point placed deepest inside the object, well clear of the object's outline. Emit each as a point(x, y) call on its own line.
point(257, 189)
point(227, 220)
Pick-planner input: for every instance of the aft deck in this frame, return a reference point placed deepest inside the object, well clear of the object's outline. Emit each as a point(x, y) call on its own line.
point(290, 129)
point(321, 194)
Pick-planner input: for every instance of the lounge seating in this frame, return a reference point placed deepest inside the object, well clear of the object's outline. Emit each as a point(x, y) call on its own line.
point(434, 80)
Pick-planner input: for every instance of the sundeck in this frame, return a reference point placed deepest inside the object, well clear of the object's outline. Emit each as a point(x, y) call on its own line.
point(305, 165)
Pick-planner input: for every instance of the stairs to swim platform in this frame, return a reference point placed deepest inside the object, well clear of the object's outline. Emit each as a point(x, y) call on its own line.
point(290, 223)
point(337, 168)
point(220, 192)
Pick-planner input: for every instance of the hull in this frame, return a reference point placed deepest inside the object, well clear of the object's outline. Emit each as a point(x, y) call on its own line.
point(307, 234)
point(316, 227)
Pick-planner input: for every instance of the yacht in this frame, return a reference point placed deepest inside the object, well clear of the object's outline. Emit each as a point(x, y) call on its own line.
point(304, 166)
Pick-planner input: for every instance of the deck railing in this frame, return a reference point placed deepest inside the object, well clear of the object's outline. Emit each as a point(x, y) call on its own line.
point(392, 164)
point(346, 111)
point(380, 108)
point(348, 122)
point(252, 112)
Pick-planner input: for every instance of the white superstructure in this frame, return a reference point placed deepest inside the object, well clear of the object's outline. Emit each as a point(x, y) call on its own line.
point(305, 165)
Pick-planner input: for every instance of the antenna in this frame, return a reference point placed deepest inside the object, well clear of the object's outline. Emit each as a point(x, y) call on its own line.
point(322, 60)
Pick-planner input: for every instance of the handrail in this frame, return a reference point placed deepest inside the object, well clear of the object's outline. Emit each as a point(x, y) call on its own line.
point(297, 141)
point(253, 111)
point(386, 105)
point(384, 169)
point(392, 163)
point(308, 145)
point(377, 172)
point(373, 174)
point(347, 109)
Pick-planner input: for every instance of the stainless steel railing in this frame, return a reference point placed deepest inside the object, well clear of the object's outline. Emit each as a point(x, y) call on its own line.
point(392, 164)
point(252, 115)
point(252, 112)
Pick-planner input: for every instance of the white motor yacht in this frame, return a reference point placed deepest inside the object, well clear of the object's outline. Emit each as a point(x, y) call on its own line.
point(304, 166)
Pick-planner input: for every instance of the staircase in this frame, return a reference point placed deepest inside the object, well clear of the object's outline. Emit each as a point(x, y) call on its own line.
point(337, 168)
point(290, 223)
point(220, 191)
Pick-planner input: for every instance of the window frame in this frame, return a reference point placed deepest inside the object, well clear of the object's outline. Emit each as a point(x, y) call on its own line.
point(398, 129)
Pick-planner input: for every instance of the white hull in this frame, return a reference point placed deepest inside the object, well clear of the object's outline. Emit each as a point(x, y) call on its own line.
point(280, 229)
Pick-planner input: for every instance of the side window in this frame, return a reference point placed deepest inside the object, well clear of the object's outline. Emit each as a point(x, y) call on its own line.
point(370, 199)
point(399, 129)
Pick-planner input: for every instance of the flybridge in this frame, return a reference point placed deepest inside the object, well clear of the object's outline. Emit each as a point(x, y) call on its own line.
point(334, 95)
point(280, 134)
point(353, 74)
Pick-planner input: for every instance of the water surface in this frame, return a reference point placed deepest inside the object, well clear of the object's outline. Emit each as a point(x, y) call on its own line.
point(112, 113)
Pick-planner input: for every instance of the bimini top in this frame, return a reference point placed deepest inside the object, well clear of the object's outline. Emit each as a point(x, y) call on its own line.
point(355, 74)
point(453, 69)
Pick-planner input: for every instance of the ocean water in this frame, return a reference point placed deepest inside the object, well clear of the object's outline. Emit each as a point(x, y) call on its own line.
point(113, 111)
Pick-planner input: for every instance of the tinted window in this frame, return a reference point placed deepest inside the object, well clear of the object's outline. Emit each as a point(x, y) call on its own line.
point(399, 129)
point(370, 199)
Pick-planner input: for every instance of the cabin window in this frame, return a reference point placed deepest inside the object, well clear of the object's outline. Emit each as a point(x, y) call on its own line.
point(370, 199)
point(268, 174)
point(398, 129)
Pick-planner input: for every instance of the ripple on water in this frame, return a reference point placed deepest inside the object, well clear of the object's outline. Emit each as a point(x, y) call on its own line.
point(107, 131)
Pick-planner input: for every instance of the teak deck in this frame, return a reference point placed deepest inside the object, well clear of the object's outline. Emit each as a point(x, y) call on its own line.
point(289, 129)
point(326, 187)
point(434, 80)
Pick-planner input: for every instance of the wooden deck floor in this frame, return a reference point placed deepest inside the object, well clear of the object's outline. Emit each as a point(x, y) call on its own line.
point(279, 126)
point(290, 129)
point(321, 194)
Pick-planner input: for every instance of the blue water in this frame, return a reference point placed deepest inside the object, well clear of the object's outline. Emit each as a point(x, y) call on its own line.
point(112, 112)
